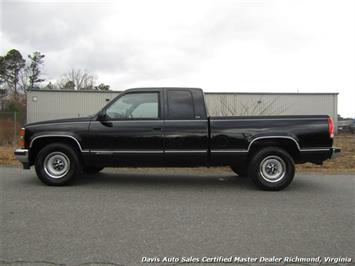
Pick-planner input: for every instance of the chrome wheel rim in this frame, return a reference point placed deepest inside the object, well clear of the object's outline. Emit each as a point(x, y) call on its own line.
point(56, 164)
point(273, 168)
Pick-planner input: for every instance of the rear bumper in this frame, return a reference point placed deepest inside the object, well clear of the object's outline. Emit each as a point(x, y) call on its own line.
point(335, 152)
point(318, 155)
point(22, 156)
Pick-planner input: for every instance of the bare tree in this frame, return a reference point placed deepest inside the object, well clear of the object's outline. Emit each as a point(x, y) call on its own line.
point(81, 79)
point(226, 109)
point(249, 108)
point(33, 70)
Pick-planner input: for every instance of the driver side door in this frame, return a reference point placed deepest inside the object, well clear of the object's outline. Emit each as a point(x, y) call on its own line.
point(131, 132)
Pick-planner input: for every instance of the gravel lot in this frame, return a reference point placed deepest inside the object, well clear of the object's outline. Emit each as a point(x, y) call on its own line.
point(118, 216)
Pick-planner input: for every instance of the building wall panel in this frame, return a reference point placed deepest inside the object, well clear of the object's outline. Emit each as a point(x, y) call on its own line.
point(46, 105)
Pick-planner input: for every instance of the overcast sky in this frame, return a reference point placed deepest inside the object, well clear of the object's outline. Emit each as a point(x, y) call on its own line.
point(220, 45)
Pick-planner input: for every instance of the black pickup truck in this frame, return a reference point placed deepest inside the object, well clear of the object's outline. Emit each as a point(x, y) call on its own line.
point(162, 127)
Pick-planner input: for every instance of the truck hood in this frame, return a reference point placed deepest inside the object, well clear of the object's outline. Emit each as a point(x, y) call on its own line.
point(63, 121)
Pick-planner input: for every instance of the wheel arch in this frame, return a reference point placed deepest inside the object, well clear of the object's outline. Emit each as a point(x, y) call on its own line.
point(287, 143)
point(38, 142)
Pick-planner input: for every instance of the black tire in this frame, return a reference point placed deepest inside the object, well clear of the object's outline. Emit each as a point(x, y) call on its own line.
point(92, 169)
point(53, 156)
point(241, 171)
point(272, 168)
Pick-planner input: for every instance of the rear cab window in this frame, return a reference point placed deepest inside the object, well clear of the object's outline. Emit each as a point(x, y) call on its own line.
point(180, 105)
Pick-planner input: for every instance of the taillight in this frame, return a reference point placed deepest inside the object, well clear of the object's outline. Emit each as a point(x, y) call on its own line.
point(21, 141)
point(331, 127)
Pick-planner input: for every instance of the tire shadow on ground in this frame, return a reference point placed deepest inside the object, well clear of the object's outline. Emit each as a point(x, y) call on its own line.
point(165, 180)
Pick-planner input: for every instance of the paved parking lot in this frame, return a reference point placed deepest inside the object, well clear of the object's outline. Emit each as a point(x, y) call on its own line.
point(119, 216)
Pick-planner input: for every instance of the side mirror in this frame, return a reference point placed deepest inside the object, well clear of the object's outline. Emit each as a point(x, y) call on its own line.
point(103, 119)
point(101, 116)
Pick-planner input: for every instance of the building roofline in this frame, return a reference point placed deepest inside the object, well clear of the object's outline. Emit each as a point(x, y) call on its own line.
point(80, 91)
point(232, 92)
point(283, 93)
point(174, 87)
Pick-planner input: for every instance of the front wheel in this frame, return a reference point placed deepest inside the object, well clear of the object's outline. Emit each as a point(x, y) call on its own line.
point(272, 168)
point(57, 164)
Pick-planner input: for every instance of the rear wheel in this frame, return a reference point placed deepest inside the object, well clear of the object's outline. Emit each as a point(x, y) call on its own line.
point(272, 168)
point(92, 169)
point(57, 164)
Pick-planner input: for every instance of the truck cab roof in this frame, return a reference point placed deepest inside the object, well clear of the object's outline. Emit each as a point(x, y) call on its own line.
point(162, 88)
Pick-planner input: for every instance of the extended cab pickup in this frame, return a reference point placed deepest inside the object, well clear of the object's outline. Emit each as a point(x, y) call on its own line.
point(162, 127)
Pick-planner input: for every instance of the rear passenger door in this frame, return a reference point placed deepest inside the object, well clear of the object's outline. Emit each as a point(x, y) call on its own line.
point(185, 131)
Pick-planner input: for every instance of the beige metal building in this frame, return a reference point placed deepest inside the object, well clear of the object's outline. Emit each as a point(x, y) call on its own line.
point(49, 104)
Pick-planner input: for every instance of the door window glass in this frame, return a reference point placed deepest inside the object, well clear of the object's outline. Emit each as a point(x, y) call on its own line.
point(135, 106)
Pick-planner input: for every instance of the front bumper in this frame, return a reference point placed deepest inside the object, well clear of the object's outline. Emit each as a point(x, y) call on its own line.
point(335, 152)
point(22, 156)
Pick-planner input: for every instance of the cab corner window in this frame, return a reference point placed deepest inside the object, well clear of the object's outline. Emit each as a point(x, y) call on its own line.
point(180, 105)
point(140, 105)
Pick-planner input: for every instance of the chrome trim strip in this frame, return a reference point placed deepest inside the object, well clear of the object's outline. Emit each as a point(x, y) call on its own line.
point(185, 120)
point(274, 137)
point(156, 120)
point(229, 151)
point(245, 151)
point(145, 151)
point(125, 151)
point(60, 136)
point(186, 151)
point(317, 149)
